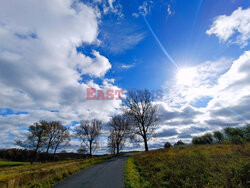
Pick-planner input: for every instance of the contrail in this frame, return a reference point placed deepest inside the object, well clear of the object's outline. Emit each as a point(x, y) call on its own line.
point(161, 46)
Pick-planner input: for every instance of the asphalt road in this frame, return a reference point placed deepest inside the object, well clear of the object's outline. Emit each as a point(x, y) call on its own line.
point(107, 174)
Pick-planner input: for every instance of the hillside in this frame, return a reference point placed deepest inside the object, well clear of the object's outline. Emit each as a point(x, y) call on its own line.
point(190, 166)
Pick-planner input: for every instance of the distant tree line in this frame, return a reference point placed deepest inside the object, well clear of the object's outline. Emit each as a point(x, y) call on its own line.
point(229, 135)
point(25, 155)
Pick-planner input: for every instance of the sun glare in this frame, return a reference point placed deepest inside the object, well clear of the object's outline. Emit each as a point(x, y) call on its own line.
point(185, 76)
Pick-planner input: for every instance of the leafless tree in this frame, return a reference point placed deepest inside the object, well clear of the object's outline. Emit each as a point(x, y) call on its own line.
point(88, 132)
point(111, 143)
point(119, 130)
point(141, 111)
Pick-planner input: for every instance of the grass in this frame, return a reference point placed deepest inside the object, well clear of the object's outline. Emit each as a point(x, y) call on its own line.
point(131, 174)
point(43, 174)
point(190, 166)
point(10, 163)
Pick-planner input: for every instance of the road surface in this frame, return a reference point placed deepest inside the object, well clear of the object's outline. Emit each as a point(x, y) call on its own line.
point(108, 174)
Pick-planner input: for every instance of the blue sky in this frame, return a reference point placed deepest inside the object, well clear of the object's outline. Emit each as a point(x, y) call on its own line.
point(182, 34)
point(196, 52)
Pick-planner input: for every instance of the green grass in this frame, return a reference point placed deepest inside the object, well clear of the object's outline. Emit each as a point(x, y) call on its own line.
point(132, 176)
point(11, 163)
point(190, 166)
point(43, 174)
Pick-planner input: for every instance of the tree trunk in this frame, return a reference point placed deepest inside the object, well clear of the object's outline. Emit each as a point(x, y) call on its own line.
point(145, 137)
point(118, 149)
point(90, 148)
point(34, 155)
point(145, 143)
point(54, 154)
point(47, 151)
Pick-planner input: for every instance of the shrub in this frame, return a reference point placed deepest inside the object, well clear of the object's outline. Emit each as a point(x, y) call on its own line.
point(167, 145)
point(237, 135)
point(205, 139)
point(247, 132)
point(234, 132)
point(218, 136)
point(179, 143)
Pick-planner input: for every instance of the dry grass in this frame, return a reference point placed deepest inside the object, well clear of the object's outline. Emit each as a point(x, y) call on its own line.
point(43, 174)
point(193, 166)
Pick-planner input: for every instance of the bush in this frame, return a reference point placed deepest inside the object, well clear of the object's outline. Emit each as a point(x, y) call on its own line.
point(205, 139)
point(237, 135)
point(167, 145)
point(247, 133)
point(179, 143)
point(218, 136)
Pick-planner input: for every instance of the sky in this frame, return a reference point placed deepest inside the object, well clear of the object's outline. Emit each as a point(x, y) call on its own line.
point(196, 53)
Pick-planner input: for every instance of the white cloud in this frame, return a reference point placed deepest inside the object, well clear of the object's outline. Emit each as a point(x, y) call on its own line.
point(232, 93)
point(97, 66)
point(124, 66)
point(40, 68)
point(234, 28)
point(192, 83)
point(145, 8)
point(169, 10)
point(226, 82)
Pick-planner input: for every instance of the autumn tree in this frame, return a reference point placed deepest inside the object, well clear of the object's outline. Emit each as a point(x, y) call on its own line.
point(141, 112)
point(52, 129)
point(89, 132)
point(36, 139)
point(119, 130)
point(61, 139)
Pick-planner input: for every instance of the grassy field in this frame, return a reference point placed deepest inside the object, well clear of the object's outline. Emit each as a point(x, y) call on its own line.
point(10, 163)
point(191, 166)
point(41, 174)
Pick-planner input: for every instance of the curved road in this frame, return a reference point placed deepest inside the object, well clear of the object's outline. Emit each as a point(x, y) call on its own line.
point(106, 174)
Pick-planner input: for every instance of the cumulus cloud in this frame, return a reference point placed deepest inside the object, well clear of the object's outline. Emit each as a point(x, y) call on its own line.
point(226, 82)
point(234, 28)
point(40, 68)
point(197, 85)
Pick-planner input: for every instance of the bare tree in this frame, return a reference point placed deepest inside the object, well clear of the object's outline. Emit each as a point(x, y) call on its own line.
point(141, 111)
point(111, 143)
point(88, 132)
point(119, 129)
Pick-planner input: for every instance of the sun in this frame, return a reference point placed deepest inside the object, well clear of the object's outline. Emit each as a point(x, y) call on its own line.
point(185, 76)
